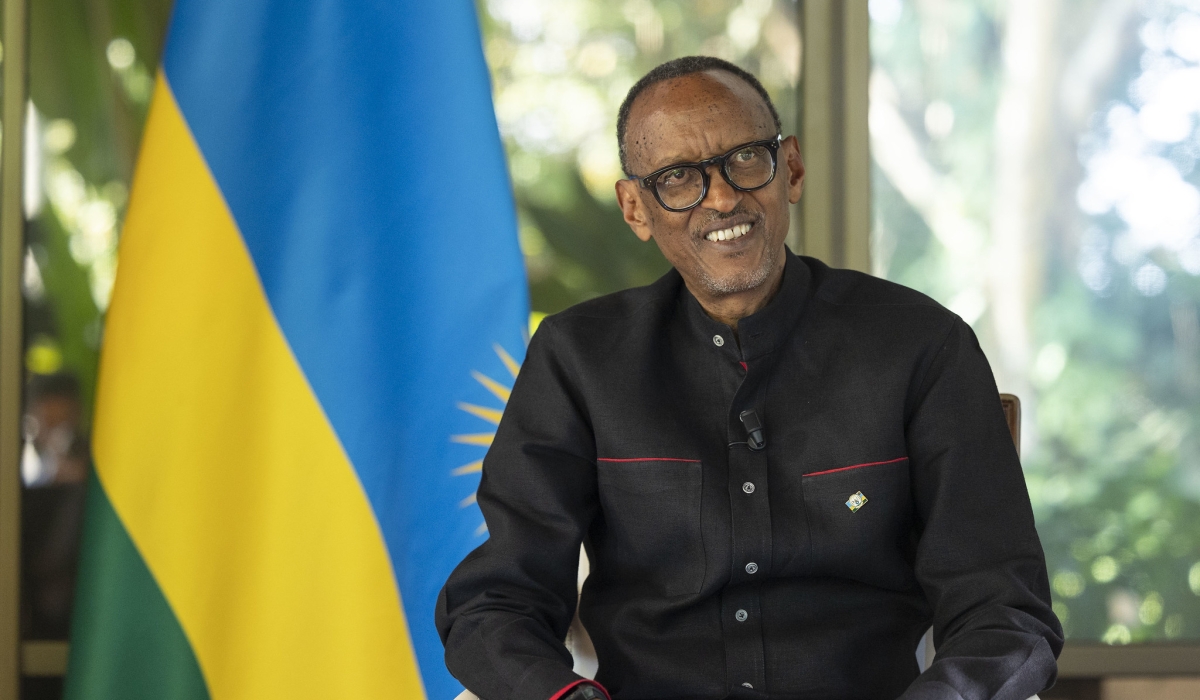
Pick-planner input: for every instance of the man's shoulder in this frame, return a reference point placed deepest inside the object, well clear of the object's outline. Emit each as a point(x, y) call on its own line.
point(843, 287)
point(880, 304)
point(851, 288)
point(628, 306)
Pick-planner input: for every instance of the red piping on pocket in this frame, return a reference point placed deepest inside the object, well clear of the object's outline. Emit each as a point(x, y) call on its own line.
point(562, 693)
point(857, 466)
point(646, 459)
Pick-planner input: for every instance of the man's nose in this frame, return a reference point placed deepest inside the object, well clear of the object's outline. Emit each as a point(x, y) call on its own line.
point(721, 196)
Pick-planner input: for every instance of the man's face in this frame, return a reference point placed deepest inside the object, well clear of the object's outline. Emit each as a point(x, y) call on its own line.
point(694, 118)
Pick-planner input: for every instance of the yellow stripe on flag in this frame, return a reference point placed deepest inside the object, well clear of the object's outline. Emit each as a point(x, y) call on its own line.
point(220, 462)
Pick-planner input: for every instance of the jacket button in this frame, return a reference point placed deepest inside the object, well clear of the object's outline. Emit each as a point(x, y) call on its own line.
point(752, 568)
point(718, 340)
point(748, 487)
point(741, 615)
point(747, 685)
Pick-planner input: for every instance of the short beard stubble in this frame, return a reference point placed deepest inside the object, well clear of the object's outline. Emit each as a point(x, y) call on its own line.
point(743, 282)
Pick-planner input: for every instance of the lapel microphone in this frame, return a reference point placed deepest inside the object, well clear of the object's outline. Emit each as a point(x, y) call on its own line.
point(755, 439)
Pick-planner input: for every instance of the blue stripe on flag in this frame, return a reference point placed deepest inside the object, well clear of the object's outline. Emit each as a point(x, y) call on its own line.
point(357, 148)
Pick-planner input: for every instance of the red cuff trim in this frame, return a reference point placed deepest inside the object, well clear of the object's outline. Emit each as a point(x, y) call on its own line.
point(563, 693)
point(857, 466)
point(644, 459)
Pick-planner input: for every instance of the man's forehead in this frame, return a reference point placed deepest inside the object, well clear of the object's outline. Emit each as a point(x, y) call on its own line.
point(678, 118)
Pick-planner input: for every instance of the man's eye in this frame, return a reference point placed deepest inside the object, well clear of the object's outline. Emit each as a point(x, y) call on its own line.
point(744, 156)
point(674, 176)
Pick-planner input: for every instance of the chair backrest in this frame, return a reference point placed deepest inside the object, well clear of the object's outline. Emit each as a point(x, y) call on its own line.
point(1012, 414)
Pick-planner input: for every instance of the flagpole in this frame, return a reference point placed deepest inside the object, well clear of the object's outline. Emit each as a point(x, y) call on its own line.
point(12, 245)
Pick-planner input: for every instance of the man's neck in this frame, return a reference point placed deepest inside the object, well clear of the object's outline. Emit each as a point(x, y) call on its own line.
point(731, 308)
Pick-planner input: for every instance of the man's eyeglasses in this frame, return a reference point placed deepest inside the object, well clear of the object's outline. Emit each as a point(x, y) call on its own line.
point(682, 186)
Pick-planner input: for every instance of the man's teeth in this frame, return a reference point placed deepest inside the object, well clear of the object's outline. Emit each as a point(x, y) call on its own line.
point(728, 234)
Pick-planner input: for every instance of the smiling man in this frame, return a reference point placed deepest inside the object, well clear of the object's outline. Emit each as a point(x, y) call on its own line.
point(782, 473)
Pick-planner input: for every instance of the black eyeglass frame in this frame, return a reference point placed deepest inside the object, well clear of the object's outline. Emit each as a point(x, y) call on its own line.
point(772, 145)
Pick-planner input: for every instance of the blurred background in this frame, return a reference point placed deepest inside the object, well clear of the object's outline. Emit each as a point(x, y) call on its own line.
point(1032, 167)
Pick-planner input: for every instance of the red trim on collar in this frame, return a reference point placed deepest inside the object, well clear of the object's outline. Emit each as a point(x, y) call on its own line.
point(646, 459)
point(857, 466)
point(562, 693)
point(744, 367)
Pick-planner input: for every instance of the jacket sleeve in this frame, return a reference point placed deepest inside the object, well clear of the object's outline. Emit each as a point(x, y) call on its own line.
point(979, 559)
point(504, 612)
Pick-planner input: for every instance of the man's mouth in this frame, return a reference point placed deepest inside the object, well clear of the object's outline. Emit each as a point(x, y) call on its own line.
point(729, 234)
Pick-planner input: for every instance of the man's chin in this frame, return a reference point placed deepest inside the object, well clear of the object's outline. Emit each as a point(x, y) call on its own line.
point(737, 282)
point(727, 277)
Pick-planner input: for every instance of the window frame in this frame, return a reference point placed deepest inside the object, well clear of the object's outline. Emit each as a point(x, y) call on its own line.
point(12, 248)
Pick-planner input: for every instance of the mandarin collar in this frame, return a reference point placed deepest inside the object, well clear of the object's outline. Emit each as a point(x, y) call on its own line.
point(763, 331)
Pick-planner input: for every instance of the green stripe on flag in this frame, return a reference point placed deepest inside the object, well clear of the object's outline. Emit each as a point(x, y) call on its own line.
point(126, 643)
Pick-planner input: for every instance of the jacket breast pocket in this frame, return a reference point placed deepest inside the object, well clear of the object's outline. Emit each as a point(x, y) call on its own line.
point(860, 521)
point(652, 513)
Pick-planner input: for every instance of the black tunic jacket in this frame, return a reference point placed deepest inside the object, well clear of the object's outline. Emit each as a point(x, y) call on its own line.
point(721, 571)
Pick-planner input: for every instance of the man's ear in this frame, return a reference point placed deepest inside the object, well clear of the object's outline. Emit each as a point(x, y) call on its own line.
point(633, 209)
point(793, 164)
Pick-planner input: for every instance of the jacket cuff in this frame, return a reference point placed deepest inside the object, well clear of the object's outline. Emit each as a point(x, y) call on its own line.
point(572, 686)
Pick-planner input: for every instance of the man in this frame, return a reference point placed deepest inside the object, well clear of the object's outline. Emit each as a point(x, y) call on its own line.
point(782, 473)
point(54, 469)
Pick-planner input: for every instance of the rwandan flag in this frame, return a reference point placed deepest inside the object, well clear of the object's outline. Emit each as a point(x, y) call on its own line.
point(320, 304)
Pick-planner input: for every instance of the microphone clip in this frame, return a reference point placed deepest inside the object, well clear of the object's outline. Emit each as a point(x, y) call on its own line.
point(755, 439)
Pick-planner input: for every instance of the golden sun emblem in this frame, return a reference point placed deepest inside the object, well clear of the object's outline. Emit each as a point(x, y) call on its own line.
point(491, 415)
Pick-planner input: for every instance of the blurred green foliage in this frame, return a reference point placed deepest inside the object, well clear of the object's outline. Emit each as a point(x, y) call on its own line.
point(1106, 352)
point(90, 76)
